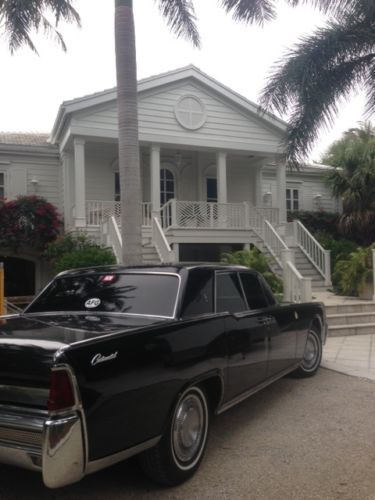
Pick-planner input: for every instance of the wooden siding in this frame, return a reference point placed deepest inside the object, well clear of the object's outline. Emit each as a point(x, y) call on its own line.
point(309, 185)
point(22, 169)
point(226, 126)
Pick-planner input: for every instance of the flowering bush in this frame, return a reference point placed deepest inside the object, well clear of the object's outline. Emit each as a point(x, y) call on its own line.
point(28, 221)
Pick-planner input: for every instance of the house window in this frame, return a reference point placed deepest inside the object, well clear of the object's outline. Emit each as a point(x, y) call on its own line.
point(2, 185)
point(167, 185)
point(117, 187)
point(292, 199)
point(211, 189)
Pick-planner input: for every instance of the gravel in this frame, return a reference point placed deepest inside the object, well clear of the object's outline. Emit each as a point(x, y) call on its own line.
point(297, 439)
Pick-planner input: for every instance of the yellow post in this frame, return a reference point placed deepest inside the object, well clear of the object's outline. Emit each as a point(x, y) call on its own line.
point(2, 304)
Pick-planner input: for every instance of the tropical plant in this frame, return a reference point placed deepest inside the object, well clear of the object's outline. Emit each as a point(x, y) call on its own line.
point(254, 259)
point(18, 19)
point(28, 222)
point(353, 180)
point(72, 251)
point(322, 69)
point(352, 274)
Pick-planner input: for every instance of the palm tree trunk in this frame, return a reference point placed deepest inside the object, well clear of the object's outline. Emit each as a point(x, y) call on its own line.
point(129, 165)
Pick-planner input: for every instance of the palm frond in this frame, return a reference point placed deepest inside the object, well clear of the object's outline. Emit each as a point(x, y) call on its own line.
point(250, 11)
point(181, 18)
point(336, 8)
point(315, 75)
point(20, 17)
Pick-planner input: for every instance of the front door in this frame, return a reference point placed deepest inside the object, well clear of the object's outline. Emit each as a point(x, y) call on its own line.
point(211, 189)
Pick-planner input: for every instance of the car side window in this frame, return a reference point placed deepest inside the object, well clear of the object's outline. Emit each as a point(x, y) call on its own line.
point(254, 291)
point(229, 296)
point(199, 294)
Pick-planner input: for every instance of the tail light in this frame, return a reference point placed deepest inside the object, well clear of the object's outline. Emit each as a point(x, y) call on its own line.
point(61, 392)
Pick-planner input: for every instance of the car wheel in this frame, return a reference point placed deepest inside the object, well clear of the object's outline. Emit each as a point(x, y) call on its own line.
point(179, 452)
point(312, 355)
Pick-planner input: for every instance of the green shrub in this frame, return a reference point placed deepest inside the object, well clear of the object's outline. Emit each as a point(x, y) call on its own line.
point(316, 222)
point(352, 274)
point(254, 259)
point(72, 251)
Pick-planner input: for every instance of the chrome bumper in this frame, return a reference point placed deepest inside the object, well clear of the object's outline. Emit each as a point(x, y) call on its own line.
point(54, 446)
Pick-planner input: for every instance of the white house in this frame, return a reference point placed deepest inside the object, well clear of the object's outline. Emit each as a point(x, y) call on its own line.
point(213, 172)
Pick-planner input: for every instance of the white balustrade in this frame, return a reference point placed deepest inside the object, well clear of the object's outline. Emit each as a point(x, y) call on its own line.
point(313, 250)
point(205, 215)
point(273, 241)
point(99, 211)
point(296, 287)
point(160, 243)
point(111, 231)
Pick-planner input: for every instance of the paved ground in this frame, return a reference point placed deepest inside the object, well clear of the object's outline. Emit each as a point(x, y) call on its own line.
point(297, 439)
point(354, 355)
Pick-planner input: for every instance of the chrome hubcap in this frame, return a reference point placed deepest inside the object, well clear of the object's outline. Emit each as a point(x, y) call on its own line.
point(311, 352)
point(188, 430)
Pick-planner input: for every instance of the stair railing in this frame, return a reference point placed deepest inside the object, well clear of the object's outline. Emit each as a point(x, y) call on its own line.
point(273, 242)
point(113, 237)
point(160, 243)
point(296, 287)
point(317, 255)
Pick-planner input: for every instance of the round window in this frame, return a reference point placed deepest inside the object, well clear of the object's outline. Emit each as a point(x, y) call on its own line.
point(190, 112)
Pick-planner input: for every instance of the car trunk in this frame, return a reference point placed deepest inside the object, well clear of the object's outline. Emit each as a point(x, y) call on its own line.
point(29, 344)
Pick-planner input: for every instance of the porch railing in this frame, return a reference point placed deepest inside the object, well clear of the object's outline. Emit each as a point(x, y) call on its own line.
point(296, 287)
point(99, 211)
point(213, 215)
point(313, 250)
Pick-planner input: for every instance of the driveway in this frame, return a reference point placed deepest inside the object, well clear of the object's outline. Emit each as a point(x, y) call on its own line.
point(297, 439)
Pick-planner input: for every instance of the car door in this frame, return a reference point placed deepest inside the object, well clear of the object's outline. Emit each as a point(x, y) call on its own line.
point(246, 336)
point(281, 323)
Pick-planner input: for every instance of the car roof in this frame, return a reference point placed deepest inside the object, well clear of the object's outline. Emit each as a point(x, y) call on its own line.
point(162, 268)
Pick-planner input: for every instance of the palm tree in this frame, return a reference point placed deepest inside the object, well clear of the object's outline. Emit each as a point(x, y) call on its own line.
point(19, 19)
point(322, 69)
point(353, 180)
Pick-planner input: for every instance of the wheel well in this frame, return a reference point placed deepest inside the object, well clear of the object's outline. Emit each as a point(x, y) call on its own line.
point(213, 388)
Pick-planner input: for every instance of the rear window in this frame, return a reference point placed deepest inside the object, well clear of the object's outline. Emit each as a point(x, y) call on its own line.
point(145, 294)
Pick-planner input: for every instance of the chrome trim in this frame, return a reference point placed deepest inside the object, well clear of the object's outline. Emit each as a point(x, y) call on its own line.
point(250, 392)
point(63, 455)
point(22, 394)
point(78, 407)
point(26, 458)
point(102, 463)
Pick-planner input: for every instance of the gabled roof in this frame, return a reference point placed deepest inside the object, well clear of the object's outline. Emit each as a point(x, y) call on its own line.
point(153, 82)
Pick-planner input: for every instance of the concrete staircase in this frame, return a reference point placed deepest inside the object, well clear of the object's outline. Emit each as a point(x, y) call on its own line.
point(356, 318)
point(149, 253)
point(302, 263)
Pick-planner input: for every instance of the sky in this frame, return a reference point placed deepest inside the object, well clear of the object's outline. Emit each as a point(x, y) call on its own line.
point(33, 86)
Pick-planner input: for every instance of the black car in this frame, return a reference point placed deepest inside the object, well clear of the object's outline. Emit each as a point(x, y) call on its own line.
point(111, 362)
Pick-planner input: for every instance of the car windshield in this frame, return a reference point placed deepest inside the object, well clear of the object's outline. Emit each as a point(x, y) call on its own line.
point(131, 293)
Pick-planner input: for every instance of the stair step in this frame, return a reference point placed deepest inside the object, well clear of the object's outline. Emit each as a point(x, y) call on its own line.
point(355, 329)
point(350, 318)
point(351, 307)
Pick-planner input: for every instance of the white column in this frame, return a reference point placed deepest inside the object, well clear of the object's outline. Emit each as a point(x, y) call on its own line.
point(155, 178)
point(68, 192)
point(258, 182)
point(221, 167)
point(281, 189)
point(79, 178)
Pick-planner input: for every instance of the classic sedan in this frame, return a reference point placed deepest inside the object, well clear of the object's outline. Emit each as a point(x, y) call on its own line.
point(112, 362)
